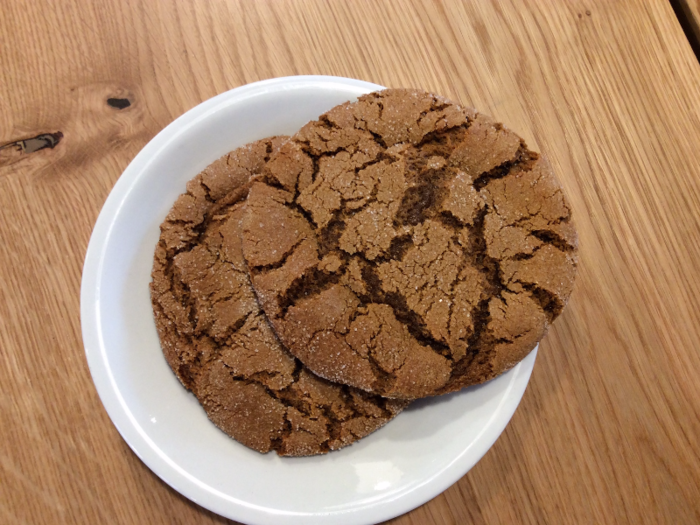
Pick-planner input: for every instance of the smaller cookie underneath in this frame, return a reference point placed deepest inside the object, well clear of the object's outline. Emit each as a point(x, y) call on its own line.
point(218, 342)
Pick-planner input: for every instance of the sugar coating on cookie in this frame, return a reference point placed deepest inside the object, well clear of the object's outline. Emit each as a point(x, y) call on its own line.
point(408, 246)
point(217, 340)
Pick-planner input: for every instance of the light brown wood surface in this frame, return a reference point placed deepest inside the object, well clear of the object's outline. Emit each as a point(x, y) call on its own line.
point(609, 428)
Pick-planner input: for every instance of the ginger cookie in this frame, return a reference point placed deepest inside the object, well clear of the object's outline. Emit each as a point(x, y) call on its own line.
point(217, 340)
point(408, 246)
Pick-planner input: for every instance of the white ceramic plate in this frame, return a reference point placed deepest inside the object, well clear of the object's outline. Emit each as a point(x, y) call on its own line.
point(414, 458)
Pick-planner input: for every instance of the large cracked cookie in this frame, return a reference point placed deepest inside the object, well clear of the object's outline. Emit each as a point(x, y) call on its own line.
point(217, 340)
point(408, 246)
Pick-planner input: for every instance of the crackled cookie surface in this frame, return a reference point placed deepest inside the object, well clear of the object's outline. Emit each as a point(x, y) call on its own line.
point(408, 246)
point(217, 340)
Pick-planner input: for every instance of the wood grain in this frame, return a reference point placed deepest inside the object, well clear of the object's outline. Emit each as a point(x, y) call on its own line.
point(608, 428)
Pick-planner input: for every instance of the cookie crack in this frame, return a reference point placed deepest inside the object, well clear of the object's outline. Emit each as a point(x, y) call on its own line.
point(442, 137)
point(382, 377)
point(525, 256)
point(384, 380)
point(343, 209)
point(184, 296)
point(267, 268)
point(316, 163)
point(315, 154)
point(182, 293)
point(333, 422)
point(197, 231)
point(553, 239)
point(480, 314)
point(463, 264)
point(328, 123)
point(222, 206)
point(377, 137)
point(373, 194)
point(405, 315)
point(550, 304)
point(306, 405)
point(277, 444)
point(397, 249)
point(427, 190)
point(447, 218)
point(257, 377)
point(476, 254)
point(307, 285)
point(208, 296)
point(230, 331)
point(380, 105)
point(329, 238)
point(207, 191)
point(522, 157)
point(478, 344)
point(183, 369)
point(419, 203)
point(254, 379)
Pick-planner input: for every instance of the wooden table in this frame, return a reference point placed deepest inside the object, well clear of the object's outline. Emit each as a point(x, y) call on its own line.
point(609, 428)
